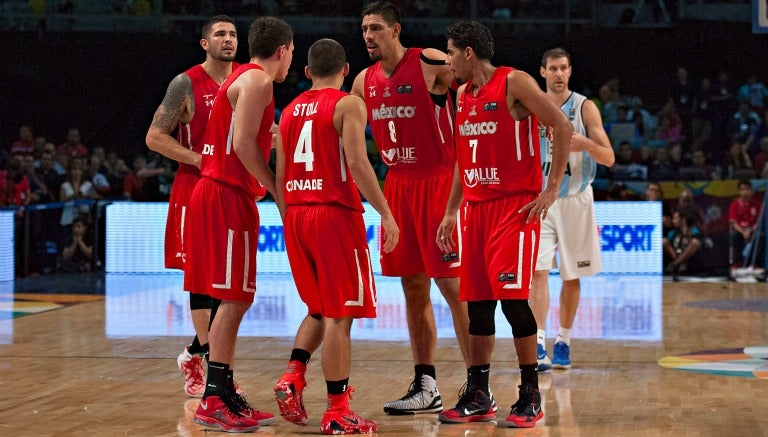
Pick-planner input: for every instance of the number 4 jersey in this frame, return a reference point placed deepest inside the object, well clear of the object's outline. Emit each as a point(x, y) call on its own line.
point(316, 170)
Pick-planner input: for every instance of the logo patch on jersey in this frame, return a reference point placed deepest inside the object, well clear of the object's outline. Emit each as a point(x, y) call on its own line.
point(473, 111)
point(582, 264)
point(209, 98)
point(389, 154)
point(507, 277)
point(453, 256)
point(386, 92)
point(404, 89)
point(490, 106)
point(372, 91)
point(572, 114)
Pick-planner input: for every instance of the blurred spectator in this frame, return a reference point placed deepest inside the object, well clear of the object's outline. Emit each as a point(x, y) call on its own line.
point(36, 186)
point(740, 163)
point(626, 168)
point(116, 177)
point(762, 132)
point(682, 95)
point(653, 193)
point(97, 178)
point(701, 117)
point(616, 191)
point(754, 93)
point(75, 187)
point(51, 180)
point(14, 186)
point(77, 255)
point(610, 97)
point(699, 169)
point(661, 167)
point(722, 106)
point(25, 144)
point(134, 185)
point(686, 203)
point(102, 155)
point(744, 127)
point(682, 244)
point(109, 162)
point(669, 126)
point(761, 160)
point(636, 107)
point(743, 215)
point(72, 147)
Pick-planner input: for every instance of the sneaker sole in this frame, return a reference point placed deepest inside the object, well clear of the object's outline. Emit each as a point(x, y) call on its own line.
point(561, 366)
point(286, 402)
point(468, 419)
point(528, 423)
point(217, 425)
point(396, 412)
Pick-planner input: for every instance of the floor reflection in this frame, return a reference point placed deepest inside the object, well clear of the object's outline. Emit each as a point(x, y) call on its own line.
point(612, 307)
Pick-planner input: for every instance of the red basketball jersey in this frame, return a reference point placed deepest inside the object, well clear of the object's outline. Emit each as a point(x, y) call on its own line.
point(498, 156)
point(219, 161)
point(410, 130)
point(192, 135)
point(316, 171)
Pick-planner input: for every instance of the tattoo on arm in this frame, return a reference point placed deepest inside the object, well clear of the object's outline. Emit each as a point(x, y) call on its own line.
point(173, 105)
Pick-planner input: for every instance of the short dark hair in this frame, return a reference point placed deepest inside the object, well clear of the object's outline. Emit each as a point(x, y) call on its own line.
point(388, 11)
point(746, 182)
point(208, 25)
point(266, 35)
point(326, 57)
point(557, 52)
point(472, 34)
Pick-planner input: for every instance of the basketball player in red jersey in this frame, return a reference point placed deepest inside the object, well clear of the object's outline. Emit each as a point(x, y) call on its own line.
point(321, 163)
point(499, 163)
point(411, 117)
point(221, 260)
point(185, 108)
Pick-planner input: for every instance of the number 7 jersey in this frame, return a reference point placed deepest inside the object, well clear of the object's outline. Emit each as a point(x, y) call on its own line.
point(316, 169)
point(498, 156)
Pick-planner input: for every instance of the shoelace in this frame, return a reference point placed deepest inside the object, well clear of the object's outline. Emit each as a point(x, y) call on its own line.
point(194, 371)
point(413, 389)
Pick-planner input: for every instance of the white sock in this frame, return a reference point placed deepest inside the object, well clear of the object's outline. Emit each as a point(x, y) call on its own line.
point(541, 337)
point(564, 336)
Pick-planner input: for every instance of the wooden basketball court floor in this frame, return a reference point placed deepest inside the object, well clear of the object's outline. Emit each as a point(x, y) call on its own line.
point(95, 355)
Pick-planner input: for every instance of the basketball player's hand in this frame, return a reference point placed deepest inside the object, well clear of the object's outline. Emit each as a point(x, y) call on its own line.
point(537, 210)
point(444, 236)
point(391, 234)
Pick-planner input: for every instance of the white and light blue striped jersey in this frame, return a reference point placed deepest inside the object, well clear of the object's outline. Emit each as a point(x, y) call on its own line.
point(581, 168)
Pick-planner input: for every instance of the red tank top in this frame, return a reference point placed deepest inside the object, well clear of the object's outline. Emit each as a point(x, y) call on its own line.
point(410, 130)
point(498, 156)
point(192, 135)
point(219, 161)
point(316, 171)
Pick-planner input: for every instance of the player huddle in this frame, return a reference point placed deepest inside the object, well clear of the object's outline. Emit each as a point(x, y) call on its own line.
point(463, 204)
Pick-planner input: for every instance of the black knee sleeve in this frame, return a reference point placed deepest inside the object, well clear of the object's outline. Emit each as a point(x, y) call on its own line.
point(316, 316)
point(200, 301)
point(520, 317)
point(481, 321)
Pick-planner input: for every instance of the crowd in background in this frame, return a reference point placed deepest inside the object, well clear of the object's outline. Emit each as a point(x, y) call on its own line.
point(708, 129)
